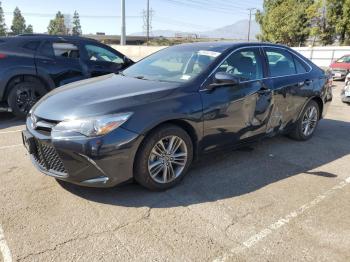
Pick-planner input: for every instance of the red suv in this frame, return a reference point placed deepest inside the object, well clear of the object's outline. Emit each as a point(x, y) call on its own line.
point(341, 67)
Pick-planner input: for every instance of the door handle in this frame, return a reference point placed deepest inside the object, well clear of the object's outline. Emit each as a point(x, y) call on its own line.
point(264, 89)
point(48, 62)
point(306, 82)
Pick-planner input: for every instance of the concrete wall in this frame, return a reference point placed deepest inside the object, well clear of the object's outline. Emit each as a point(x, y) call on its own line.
point(321, 56)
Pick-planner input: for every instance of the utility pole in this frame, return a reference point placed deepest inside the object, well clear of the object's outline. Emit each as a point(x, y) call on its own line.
point(250, 21)
point(147, 15)
point(123, 31)
point(148, 21)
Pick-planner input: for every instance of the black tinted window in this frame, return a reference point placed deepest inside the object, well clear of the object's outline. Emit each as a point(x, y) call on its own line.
point(32, 45)
point(47, 49)
point(300, 66)
point(280, 62)
point(97, 53)
point(66, 50)
point(245, 64)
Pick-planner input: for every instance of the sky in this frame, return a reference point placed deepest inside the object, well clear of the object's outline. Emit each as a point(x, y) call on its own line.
point(104, 15)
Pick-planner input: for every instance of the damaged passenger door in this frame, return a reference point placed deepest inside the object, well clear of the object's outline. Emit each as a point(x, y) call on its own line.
point(292, 86)
point(236, 111)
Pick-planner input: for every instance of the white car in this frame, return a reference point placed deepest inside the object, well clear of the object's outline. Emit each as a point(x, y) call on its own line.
point(345, 95)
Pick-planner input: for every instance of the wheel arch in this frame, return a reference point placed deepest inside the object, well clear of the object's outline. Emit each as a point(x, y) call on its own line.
point(185, 125)
point(17, 77)
point(319, 102)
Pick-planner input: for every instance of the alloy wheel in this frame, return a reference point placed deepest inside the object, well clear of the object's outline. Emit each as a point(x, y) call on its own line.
point(167, 159)
point(309, 121)
point(26, 97)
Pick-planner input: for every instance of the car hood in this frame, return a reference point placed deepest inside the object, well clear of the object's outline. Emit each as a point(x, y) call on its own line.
point(340, 66)
point(108, 94)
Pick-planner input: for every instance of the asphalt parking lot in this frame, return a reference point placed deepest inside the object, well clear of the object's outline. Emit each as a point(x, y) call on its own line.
point(279, 200)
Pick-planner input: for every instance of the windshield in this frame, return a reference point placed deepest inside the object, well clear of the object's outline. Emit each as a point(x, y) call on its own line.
point(173, 64)
point(344, 59)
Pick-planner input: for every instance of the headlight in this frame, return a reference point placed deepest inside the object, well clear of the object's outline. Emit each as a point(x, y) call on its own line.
point(94, 126)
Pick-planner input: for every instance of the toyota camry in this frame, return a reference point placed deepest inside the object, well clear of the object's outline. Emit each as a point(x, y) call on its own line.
point(152, 120)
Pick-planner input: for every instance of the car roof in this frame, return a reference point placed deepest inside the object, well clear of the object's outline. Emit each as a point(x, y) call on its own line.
point(47, 37)
point(223, 46)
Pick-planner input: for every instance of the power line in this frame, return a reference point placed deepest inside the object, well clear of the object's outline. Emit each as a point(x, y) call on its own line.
point(224, 5)
point(197, 6)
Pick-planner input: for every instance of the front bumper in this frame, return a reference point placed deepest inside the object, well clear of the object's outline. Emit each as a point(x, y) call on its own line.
point(339, 74)
point(345, 99)
point(95, 162)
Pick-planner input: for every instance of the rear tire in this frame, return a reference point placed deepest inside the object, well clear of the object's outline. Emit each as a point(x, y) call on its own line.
point(158, 169)
point(307, 123)
point(23, 96)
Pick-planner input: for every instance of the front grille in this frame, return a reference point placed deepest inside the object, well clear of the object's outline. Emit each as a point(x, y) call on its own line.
point(48, 158)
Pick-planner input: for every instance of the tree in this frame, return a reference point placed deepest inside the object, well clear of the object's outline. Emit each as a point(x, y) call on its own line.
point(18, 22)
point(284, 21)
point(321, 29)
point(76, 30)
point(57, 25)
point(344, 24)
point(335, 18)
point(29, 29)
point(2, 22)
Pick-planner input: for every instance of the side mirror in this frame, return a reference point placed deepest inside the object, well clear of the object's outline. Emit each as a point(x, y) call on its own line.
point(128, 61)
point(224, 79)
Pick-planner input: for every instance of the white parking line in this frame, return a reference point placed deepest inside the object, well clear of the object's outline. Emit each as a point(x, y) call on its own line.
point(12, 146)
point(11, 131)
point(4, 248)
point(281, 222)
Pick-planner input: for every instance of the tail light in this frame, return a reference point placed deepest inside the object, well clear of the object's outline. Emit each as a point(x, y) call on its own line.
point(2, 56)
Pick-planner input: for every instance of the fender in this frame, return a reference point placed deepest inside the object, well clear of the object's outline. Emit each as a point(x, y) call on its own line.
point(50, 84)
point(9, 74)
point(305, 104)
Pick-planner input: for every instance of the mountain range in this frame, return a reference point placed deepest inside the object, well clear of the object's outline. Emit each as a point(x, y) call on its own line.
point(238, 30)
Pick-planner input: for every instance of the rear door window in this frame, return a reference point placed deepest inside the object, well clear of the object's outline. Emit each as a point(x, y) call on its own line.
point(66, 50)
point(47, 49)
point(280, 62)
point(32, 45)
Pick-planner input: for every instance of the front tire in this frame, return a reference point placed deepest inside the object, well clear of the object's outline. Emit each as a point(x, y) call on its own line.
point(23, 97)
point(163, 158)
point(307, 123)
